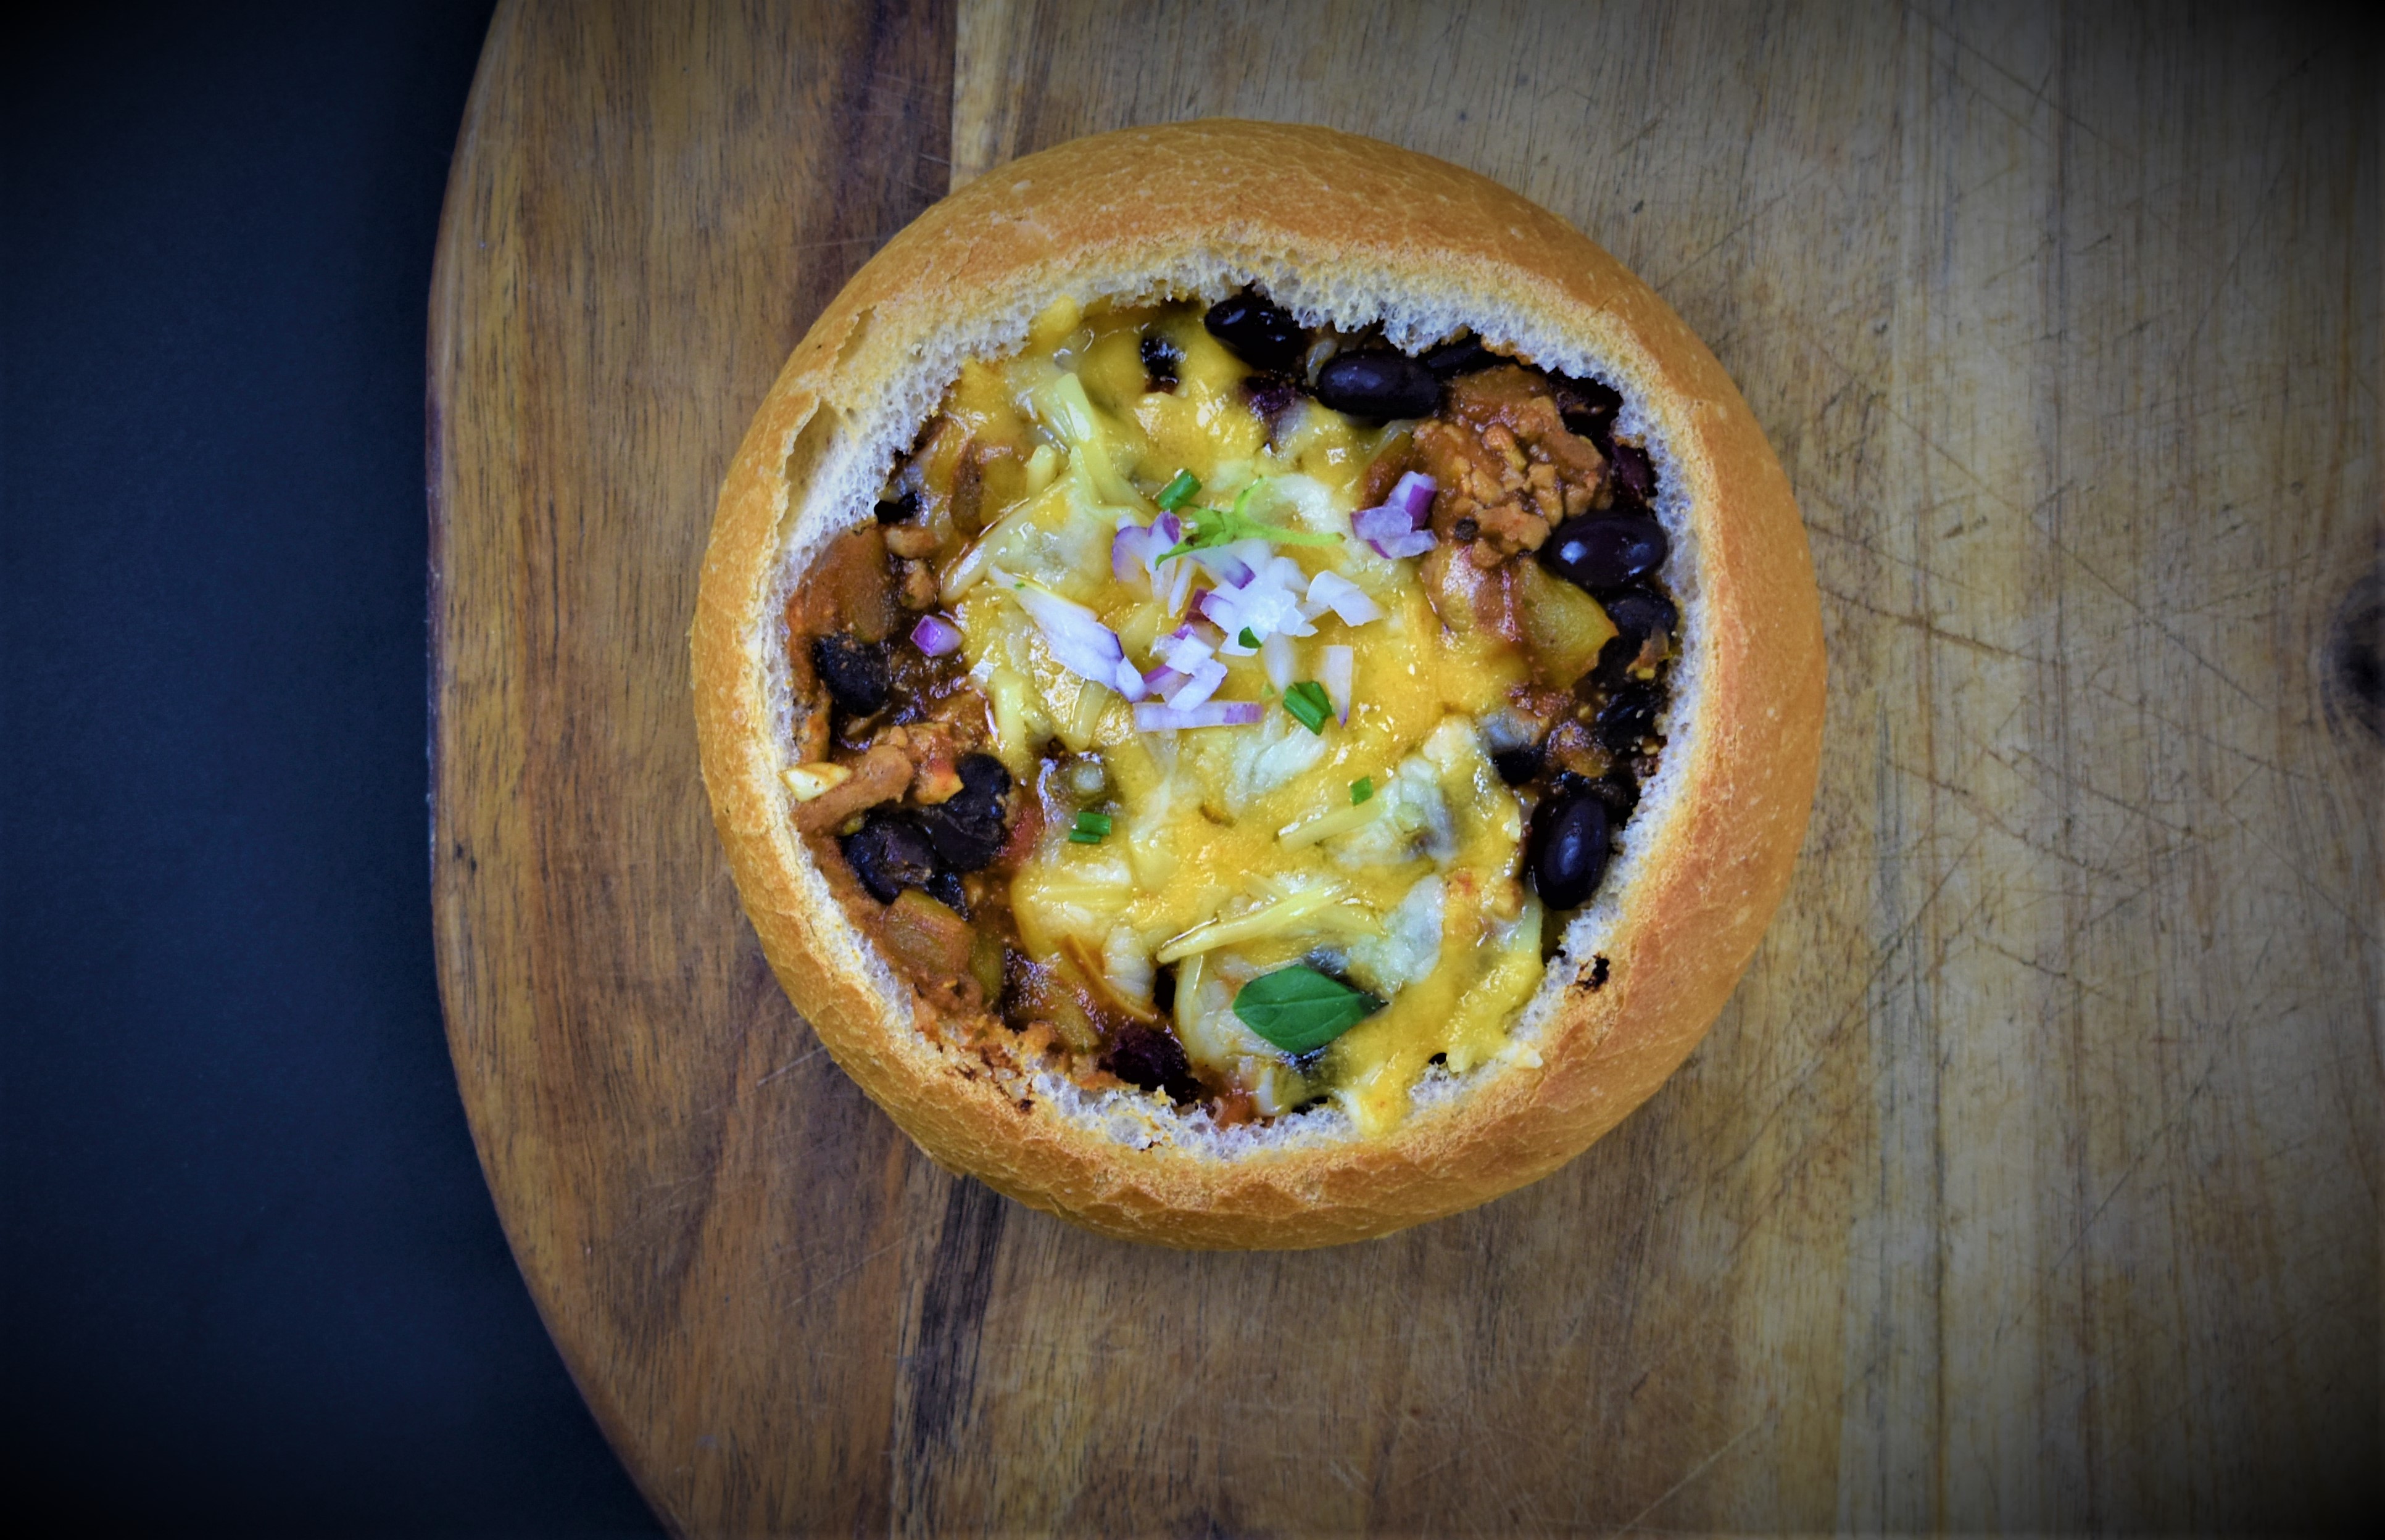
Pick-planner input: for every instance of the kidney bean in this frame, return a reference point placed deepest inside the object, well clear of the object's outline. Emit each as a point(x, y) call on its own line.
point(1605, 551)
point(1378, 384)
point(1567, 849)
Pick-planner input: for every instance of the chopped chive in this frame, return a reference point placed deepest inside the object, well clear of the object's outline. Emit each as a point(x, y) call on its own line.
point(1246, 638)
point(1179, 491)
point(1361, 788)
point(1090, 828)
point(1309, 703)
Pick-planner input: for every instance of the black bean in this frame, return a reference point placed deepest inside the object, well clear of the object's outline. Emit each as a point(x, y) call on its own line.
point(1614, 666)
point(1628, 717)
point(1272, 396)
point(898, 510)
point(1379, 384)
point(966, 828)
point(1635, 475)
point(1259, 333)
point(1605, 551)
point(889, 853)
point(1151, 1058)
point(1589, 409)
point(1161, 358)
point(1639, 612)
point(1518, 765)
point(856, 672)
point(1568, 850)
point(946, 887)
point(1619, 791)
point(1464, 357)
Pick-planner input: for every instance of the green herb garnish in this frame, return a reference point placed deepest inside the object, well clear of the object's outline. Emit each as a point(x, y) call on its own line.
point(1308, 701)
point(1214, 527)
point(1300, 1010)
point(1179, 491)
point(1361, 788)
point(1246, 637)
point(1091, 828)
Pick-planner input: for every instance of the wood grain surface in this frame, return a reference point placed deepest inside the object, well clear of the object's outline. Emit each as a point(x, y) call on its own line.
point(2031, 1180)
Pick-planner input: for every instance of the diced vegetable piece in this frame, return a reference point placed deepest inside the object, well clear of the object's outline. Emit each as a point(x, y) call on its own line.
point(1336, 675)
point(1181, 489)
point(927, 936)
point(1309, 704)
point(1565, 625)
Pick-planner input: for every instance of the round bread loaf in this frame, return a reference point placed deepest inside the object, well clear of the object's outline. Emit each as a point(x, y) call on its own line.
point(1349, 232)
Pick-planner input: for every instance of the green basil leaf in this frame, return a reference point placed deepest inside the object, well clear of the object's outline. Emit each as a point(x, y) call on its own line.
point(1300, 1010)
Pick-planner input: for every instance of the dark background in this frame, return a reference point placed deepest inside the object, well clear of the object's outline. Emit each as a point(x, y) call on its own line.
point(255, 1281)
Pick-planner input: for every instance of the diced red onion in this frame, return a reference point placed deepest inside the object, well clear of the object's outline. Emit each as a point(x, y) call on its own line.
point(1081, 644)
point(1276, 652)
point(1199, 686)
point(1413, 496)
point(1378, 524)
point(1335, 674)
point(1129, 549)
point(1215, 607)
point(1391, 532)
point(935, 635)
point(1159, 681)
point(1180, 650)
point(1221, 563)
point(1396, 528)
point(1344, 598)
point(1179, 586)
point(1151, 718)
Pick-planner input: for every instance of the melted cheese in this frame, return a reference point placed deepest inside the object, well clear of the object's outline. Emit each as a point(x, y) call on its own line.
point(1420, 901)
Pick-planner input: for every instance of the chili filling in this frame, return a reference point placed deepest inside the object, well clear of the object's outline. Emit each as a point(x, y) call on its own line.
point(1232, 709)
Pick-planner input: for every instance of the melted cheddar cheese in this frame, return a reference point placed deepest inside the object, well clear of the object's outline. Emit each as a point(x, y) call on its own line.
point(1236, 850)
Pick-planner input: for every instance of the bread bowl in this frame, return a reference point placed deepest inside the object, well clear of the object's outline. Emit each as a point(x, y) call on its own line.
point(905, 414)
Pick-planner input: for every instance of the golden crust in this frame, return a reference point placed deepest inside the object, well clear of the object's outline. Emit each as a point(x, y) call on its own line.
point(1287, 199)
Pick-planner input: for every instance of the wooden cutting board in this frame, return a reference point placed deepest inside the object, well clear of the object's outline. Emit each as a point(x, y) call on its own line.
point(2031, 1180)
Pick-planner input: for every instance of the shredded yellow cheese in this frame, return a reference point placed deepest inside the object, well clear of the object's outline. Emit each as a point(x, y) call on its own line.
point(1236, 850)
